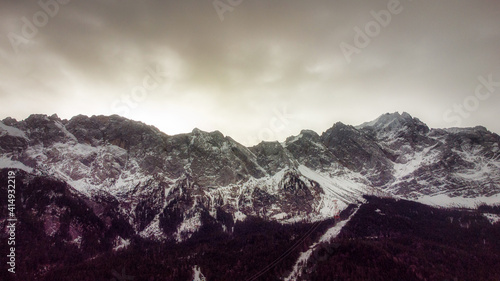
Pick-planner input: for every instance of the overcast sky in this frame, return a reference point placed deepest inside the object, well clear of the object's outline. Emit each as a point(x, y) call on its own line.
point(252, 69)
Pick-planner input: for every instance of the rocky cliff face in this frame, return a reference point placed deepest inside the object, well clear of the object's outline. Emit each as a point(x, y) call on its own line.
point(163, 185)
point(453, 162)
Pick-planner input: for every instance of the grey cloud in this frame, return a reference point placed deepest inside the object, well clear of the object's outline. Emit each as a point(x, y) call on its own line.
point(264, 54)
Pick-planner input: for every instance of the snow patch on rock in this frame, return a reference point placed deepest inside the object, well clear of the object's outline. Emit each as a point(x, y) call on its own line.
point(6, 162)
point(11, 131)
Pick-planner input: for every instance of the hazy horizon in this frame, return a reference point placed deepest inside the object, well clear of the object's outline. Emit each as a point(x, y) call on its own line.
point(254, 70)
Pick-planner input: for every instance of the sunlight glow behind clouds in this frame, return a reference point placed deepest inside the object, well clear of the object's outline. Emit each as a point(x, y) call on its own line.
point(233, 75)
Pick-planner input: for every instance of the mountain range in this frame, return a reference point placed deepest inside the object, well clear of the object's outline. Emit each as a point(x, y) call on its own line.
point(102, 185)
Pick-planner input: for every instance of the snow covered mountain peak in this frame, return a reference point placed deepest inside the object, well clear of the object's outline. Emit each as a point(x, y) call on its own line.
point(394, 125)
point(390, 120)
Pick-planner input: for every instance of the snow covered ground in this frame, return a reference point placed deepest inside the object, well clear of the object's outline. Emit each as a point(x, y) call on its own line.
point(197, 275)
point(443, 200)
point(6, 162)
point(11, 131)
point(493, 218)
point(304, 257)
